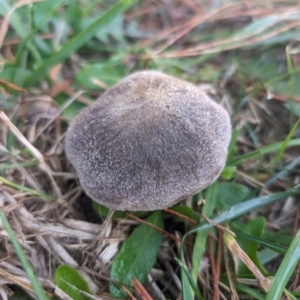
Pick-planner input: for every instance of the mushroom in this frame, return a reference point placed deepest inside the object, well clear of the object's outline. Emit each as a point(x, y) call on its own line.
point(148, 142)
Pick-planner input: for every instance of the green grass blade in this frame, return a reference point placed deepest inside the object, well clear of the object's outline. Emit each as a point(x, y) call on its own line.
point(251, 292)
point(79, 40)
point(238, 210)
point(25, 189)
point(242, 208)
point(270, 245)
point(200, 242)
point(187, 292)
point(262, 151)
point(283, 173)
point(282, 76)
point(284, 143)
point(18, 165)
point(192, 283)
point(285, 270)
point(26, 265)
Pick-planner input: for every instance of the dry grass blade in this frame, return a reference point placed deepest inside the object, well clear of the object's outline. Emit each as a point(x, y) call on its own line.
point(142, 292)
point(32, 149)
point(237, 251)
point(281, 23)
point(233, 292)
point(16, 280)
point(223, 45)
point(171, 211)
point(12, 86)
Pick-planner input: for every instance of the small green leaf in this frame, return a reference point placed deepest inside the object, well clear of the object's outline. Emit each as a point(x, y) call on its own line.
point(71, 282)
point(137, 255)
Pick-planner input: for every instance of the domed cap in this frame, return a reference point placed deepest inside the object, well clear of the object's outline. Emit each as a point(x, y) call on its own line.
point(148, 142)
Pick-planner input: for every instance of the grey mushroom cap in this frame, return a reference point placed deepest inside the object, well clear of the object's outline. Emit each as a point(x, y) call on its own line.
point(148, 142)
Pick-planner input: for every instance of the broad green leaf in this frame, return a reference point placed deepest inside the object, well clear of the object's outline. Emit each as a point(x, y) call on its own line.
point(137, 255)
point(71, 282)
point(228, 194)
point(254, 228)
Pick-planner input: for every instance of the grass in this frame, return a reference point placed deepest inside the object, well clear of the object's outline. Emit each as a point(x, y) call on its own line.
point(57, 58)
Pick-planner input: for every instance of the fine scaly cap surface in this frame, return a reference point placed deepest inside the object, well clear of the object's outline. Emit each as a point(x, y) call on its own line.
point(148, 142)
